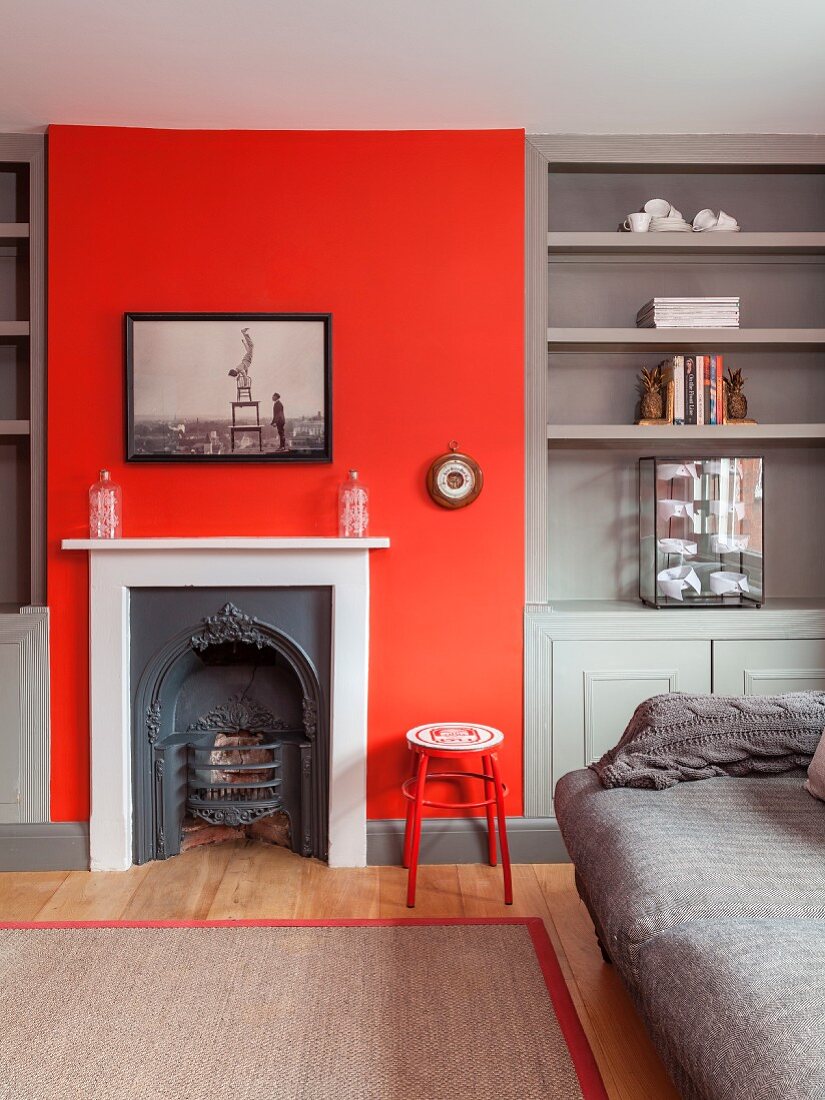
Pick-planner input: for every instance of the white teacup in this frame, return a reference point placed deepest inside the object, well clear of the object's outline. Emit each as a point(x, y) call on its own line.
point(705, 219)
point(674, 213)
point(659, 208)
point(725, 221)
point(637, 223)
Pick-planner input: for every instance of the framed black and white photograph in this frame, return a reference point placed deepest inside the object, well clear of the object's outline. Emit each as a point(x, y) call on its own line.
point(228, 387)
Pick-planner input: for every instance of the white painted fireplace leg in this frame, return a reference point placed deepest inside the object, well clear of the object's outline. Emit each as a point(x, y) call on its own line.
point(110, 826)
point(348, 705)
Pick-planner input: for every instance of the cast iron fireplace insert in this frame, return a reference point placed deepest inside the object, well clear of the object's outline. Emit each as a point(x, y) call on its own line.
point(229, 726)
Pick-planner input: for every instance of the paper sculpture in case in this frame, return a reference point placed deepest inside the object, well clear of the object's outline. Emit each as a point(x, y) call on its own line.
point(701, 532)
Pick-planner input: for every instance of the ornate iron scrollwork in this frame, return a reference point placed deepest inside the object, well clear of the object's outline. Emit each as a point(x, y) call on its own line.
point(239, 714)
point(153, 721)
point(232, 815)
point(310, 710)
point(231, 624)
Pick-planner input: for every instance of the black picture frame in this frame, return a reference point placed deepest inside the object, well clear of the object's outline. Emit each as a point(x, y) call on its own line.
point(195, 435)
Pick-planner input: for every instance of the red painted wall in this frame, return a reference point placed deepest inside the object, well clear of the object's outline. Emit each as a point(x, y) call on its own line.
point(414, 242)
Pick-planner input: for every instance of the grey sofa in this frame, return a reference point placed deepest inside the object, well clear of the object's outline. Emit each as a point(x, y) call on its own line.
point(709, 898)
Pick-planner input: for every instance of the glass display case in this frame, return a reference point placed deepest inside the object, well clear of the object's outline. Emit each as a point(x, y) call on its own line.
point(701, 532)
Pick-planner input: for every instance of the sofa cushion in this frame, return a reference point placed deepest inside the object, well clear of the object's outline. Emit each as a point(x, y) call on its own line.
point(739, 1006)
point(677, 737)
point(815, 783)
point(751, 847)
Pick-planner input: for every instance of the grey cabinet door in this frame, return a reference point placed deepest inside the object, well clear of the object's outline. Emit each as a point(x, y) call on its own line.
point(10, 726)
point(768, 667)
point(24, 716)
point(598, 685)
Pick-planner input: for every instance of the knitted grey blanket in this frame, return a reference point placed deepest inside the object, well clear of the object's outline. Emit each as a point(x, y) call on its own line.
point(677, 737)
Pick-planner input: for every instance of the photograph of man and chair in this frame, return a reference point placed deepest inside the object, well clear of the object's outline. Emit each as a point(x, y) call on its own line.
point(228, 387)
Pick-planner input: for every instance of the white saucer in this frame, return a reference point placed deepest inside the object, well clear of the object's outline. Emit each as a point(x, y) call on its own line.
point(724, 229)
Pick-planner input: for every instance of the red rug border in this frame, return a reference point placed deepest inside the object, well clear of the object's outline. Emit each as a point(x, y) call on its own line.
point(581, 1053)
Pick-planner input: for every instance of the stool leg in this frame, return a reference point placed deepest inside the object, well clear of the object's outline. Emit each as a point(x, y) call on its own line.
point(502, 831)
point(408, 832)
point(491, 826)
point(420, 782)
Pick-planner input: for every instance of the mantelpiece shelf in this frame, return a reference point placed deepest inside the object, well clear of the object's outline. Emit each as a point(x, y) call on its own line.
point(14, 231)
point(14, 328)
point(631, 340)
point(639, 437)
point(658, 244)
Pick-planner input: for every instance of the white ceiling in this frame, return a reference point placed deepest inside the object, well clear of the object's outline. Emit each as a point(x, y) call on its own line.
point(565, 66)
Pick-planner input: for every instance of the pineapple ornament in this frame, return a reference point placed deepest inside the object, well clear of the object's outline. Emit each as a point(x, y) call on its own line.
point(736, 404)
point(652, 383)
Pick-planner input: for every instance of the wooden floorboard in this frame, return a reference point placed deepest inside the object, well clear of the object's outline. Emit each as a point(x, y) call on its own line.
point(182, 888)
point(23, 894)
point(244, 879)
point(102, 896)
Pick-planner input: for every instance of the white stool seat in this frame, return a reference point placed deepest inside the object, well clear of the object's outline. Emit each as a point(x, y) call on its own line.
point(455, 736)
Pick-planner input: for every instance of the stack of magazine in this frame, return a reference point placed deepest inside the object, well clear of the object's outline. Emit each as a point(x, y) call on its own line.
point(689, 313)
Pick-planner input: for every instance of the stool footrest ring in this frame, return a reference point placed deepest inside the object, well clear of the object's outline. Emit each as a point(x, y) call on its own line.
point(408, 790)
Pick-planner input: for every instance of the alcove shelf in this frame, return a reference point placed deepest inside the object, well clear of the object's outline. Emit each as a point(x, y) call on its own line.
point(14, 328)
point(685, 340)
point(15, 427)
point(677, 437)
point(14, 231)
point(662, 244)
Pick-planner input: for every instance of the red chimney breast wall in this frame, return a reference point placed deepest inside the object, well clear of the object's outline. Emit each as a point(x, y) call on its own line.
point(414, 242)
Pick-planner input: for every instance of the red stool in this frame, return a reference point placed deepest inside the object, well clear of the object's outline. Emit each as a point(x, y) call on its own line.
point(445, 742)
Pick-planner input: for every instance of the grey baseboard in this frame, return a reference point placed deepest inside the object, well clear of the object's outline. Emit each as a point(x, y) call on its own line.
point(54, 846)
point(464, 840)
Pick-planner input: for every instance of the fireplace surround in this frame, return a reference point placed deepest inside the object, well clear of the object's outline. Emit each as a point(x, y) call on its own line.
point(119, 566)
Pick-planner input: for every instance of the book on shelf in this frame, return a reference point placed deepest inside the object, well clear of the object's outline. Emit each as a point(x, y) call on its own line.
point(701, 390)
point(698, 389)
point(690, 389)
point(719, 312)
point(673, 371)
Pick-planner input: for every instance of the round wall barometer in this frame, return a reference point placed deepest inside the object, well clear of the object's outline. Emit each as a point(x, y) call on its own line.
point(454, 480)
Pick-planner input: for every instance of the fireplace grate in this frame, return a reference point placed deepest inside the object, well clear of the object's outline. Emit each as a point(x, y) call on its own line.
point(234, 779)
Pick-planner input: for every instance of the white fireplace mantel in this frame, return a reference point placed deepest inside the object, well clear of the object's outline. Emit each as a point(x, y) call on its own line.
point(118, 565)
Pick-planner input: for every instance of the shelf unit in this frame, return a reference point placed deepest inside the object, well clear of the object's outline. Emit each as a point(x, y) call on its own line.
point(590, 647)
point(22, 368)
point(24, 619)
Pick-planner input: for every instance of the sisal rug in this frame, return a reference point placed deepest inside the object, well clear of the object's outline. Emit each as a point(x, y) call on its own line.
point(300, 1010)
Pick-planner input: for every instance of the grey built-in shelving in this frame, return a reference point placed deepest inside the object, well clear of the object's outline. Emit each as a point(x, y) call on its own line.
point(591, 648)
point(27, 839)
point(22, 369)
